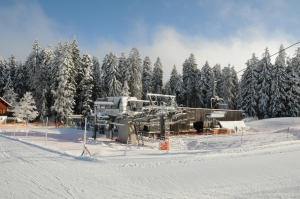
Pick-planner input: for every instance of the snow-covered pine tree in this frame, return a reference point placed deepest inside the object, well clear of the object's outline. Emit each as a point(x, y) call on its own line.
point(167, 89)
point(147, 77)
point(207, 82)
point(295, 62)
point(9, 95)
point(180, 91)
point(189, 80)
point(217, 74)
point(186, 70)
point(226, 86)
point(6, 71)
point(32, 68)
point(96, 78)
point(105, 74)
point(229, 87)
point(42, 92)
point(26, 108)
point(173, 79)
point(77, 71)
point(198, 87)
point(13, 66)
point(86, 86)
point(114, 86)
point(248, 85)
point(235, 89)
point(20, 82)
point(293, 90)
point(135, 72)
point(64, 94)
point(157, 77)
point(44, 109)
point(2, 77)
point(55, 71)
point(125, 90)
point(278, 86)
point(123, 69)
point(110, 62)
point(264, 69)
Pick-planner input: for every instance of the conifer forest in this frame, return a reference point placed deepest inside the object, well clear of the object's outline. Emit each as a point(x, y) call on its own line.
point(61, 82)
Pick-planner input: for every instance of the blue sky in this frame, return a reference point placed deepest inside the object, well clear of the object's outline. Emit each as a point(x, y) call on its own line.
point(219, 31)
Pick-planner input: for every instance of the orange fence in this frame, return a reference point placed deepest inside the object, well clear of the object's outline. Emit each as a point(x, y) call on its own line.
point(220, 131)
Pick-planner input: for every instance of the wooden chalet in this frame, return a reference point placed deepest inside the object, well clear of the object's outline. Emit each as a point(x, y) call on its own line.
point(4, 105)
point(199, 115)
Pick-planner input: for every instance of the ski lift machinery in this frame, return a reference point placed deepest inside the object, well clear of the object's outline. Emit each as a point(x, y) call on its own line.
point(158, 110)
point(219, 113)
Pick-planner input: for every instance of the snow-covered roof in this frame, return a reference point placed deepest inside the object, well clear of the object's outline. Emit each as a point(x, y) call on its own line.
point(5, 102)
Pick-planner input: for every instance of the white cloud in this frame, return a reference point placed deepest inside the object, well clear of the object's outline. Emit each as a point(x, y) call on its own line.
point(173, 48)
point(20, 25)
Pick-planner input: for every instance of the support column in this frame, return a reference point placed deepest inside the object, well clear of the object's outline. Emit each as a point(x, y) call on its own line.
point(162, 127)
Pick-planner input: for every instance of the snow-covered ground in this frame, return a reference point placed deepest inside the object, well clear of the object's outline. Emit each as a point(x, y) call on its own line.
point(260, 163)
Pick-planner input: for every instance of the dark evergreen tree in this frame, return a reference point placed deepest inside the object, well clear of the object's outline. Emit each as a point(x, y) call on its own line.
point(135, 72)
point(235, 89)
point(217, 74)
point(114, 86)
point(9, 95)
point(110, 61)
point(44, 109)
point(96, 78)
point(278, 86)
point(264, 84)
point(293, 86)
point(248, 91)
point(13, 67)
point(157, 77)
point(180, 91)
point(167, 89)
point(86, 87)
point(55, 67)
point(173, 80)
point(42, 92)
point(226, 85)
point(207, 81)
point(123, 69)
point(147, 77)
point(64, 93)
point(32, 69)
point(20, 82)
point(189, 76)
point(77, 71)
point(2, 77)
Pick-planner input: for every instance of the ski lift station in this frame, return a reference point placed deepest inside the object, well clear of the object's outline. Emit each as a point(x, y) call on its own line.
point(160, 117)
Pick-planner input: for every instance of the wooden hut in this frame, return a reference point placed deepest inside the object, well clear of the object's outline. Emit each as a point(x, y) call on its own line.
point(3, 107)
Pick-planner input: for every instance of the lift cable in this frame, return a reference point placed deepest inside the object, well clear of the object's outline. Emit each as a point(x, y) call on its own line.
point(271, 56)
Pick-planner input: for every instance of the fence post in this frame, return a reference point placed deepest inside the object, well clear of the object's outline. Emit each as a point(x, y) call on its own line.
point(242, 136)
point(46, 131)
point(15, 128)
point(84, 140)
point(206, 140)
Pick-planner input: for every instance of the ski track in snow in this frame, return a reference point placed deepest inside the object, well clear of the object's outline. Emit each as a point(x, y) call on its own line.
point(249, 171)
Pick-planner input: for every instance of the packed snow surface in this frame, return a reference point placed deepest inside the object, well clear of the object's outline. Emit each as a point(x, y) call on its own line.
point(260, 163)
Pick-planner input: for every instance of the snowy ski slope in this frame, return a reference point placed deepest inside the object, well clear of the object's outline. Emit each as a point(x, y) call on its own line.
point(265, 164)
